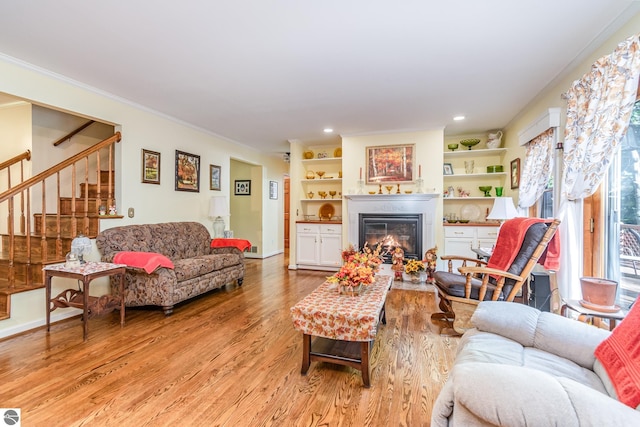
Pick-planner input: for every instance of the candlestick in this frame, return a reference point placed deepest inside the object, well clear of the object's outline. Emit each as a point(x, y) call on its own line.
point(360, 173)
point(419, 171)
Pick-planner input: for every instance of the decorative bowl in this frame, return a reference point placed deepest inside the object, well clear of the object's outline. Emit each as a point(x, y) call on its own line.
point(486, 189)
point(463, 221)
point(372, 192)
point(320, 173)
point(470, 142)
point(452, 147)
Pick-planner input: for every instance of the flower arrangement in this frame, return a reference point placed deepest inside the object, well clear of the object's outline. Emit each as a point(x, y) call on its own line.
point(414, 267)
point(358, 268)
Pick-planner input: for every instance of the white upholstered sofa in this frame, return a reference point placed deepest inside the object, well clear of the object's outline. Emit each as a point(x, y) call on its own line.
point(523, 367)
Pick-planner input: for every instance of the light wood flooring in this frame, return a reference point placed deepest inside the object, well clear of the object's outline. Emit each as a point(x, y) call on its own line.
point(229, 358)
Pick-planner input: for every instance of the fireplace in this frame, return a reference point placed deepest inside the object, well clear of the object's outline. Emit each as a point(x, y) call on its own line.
point(396, 211)
point(391, 231)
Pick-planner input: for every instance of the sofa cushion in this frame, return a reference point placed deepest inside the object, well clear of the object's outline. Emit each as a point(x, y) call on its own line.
point(476, 346)
point(197, 266)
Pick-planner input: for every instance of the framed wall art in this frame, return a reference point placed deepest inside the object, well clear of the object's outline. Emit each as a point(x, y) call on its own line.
point(187, 172)
point(214, 177)
point(150, 167)
point(447, 169)
point(273, 190)
point(391, 164)
point(515, 173)
point(242, 187)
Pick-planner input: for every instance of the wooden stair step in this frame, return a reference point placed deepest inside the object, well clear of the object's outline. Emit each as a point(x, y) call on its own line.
point(66, 225)
point(93, 190)
point(66, 205)
point(20, 245)
point(31, 273)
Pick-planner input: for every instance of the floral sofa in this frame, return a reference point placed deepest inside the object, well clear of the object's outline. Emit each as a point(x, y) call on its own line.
point(522, 367)
point(191, 266)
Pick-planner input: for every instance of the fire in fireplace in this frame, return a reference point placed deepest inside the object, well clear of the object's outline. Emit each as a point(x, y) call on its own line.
point(391, 231)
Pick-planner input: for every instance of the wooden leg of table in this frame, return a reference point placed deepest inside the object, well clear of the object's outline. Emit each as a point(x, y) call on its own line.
point(364, 357)
point(306, 353)
point(47, 281)
point(85, 308)
point(122, 299)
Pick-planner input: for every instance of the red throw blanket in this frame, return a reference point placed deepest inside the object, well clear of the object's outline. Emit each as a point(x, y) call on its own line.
point(620, 357)
point(241, 244)
point(510, 239)
point(149, 261)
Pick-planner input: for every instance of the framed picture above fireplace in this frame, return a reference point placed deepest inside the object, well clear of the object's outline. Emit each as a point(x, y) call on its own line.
point(391, 164)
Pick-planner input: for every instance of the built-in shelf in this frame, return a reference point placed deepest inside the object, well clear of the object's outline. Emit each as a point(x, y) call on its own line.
point(475, 153)
point(324, 160)
point(328, 199)
point(321, 180)
point(470, 198)
point(476, 175)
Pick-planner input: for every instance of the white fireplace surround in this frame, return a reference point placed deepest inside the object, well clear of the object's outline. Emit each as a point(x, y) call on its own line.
point(425, 204)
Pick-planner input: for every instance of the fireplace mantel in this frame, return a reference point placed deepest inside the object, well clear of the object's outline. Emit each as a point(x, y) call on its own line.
point(420, 203)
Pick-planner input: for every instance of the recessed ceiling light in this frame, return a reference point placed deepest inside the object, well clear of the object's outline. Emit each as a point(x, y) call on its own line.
point(458, 118)
point(328, 130)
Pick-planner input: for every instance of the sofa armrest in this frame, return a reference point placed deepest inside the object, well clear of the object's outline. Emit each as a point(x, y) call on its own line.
point(490, 394)
point(549, 332)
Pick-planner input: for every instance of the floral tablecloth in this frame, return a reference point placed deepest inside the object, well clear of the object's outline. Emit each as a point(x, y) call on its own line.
point(327, 313)
point(85, 269)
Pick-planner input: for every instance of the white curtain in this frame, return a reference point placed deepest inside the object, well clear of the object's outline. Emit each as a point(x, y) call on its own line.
point(599, 106)
point(538, 165)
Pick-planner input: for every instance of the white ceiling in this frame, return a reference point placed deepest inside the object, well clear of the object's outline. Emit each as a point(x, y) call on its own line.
point(263, 72)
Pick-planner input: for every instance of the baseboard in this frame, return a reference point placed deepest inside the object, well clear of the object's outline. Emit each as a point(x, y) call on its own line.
point(24, 327)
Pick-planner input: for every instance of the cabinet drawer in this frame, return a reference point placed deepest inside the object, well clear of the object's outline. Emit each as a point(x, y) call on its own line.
point(488, 233)
point(330, 229)
point(460, 232)
point(308, 228)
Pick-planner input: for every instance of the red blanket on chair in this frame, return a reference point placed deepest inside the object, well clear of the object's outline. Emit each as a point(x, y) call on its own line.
point(510, 239)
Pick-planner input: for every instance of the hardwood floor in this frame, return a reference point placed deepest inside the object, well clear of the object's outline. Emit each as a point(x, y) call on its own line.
point(229, 358)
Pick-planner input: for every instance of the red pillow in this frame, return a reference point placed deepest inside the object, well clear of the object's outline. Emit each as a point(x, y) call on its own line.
point(620, 357)
point(149, 261)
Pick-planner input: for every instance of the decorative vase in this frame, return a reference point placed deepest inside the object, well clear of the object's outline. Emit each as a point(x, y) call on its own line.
point(350, 289)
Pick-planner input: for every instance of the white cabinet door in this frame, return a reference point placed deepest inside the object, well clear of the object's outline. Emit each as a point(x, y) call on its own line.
point(308, 249)
point(331, 250)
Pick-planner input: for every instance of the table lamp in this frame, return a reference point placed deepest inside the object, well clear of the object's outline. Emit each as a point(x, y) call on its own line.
point(218, 208)
point(503, 209)
point(81, 246)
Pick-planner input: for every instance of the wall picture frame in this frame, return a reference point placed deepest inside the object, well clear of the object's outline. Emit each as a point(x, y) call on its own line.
point(214, 177)
point(447, 169)
point(150, 167)
point(242, 187)
point(187, 172)
point(515, 173)
point(273, 190)
point(391, 164)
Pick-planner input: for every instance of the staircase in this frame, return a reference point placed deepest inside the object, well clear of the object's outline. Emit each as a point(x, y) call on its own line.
point(29, 245)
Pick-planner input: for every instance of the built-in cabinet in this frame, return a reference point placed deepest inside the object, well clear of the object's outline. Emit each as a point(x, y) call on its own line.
point(459, 240)
point(318, 246)
point(322, 195)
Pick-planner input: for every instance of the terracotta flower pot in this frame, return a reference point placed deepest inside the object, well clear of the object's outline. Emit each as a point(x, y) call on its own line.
point(599, 291)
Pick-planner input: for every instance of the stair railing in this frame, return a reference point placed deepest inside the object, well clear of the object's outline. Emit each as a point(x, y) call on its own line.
point(25, 190)
point(7, 165)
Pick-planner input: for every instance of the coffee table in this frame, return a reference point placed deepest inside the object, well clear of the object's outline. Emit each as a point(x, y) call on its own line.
point(340, 328)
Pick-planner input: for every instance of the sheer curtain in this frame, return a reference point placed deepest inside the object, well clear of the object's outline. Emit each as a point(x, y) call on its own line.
point(599, 106)
point(538, 166)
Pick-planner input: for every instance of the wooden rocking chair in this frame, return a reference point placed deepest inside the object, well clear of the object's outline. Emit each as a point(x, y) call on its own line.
point(460, 294)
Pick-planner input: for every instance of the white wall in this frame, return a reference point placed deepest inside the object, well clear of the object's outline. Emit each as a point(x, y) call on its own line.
point(140, 129)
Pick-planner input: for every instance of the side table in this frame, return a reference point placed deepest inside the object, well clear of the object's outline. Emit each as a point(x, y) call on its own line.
point(575, 305)
point(91, 306)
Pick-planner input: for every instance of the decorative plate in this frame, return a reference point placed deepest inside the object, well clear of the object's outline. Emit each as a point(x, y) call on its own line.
point(308, 154)
point(471, 212)
point(326, 211)
point(337, 152)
